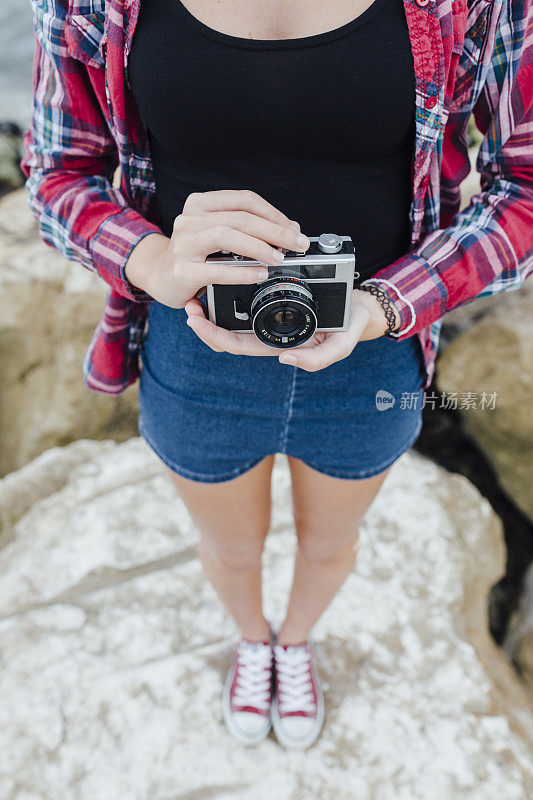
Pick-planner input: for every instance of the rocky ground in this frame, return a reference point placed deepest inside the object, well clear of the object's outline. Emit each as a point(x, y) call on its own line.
point(11, 175)
point(50, 308)
point(487, 348)
point(114, 647)
point(493, 353)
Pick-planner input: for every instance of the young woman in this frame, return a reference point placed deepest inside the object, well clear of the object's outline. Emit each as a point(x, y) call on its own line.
point(250, 126)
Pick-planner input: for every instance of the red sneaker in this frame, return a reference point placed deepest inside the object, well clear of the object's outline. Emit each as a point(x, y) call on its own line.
point(298, 708)
point(248, 692)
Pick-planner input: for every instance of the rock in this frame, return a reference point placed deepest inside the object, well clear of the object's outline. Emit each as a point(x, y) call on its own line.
point(115, 647)
point(50, 308)
point(519, 640)
point(11, 176)
point(523, 656)
point(472, 183)
point(495, 355)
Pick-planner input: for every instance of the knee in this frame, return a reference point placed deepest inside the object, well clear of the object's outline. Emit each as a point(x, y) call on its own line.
point(231, 556)
point(327, 547)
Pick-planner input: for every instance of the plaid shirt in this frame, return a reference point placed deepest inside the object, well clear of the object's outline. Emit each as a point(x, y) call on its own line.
point(469, 56)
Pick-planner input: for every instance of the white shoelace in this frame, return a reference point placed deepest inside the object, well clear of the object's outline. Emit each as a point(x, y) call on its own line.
point(254, 675)
point(295, 687)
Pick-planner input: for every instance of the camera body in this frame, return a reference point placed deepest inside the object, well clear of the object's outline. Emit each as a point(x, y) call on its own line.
point(309, 292)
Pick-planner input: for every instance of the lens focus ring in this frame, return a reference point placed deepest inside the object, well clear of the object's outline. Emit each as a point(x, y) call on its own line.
point(283, 313)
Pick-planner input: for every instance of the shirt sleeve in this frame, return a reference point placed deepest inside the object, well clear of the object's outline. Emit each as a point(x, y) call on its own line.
point(488, 247)
point(69, 158)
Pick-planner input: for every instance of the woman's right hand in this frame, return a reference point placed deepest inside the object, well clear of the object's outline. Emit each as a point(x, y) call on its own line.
point(174, 270)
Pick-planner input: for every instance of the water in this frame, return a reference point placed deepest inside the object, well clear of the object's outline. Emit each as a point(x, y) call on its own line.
point(16, 60)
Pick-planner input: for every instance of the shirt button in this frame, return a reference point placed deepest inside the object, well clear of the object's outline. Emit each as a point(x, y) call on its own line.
point(421, 3)
point(431, 102)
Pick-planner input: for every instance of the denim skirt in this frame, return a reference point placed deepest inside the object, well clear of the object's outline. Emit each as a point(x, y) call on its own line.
point(211, 416)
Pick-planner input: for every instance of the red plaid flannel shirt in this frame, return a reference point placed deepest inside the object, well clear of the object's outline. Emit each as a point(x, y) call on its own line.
point(470, 56)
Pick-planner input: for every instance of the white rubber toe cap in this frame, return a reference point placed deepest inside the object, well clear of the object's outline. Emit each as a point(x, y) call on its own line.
point(248, 722)
point(298, 732)
point(298, 727)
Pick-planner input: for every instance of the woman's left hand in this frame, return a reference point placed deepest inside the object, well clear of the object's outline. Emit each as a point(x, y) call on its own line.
point(367, 321)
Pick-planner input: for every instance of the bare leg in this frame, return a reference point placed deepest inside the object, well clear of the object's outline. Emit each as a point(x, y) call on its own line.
point(233, 518)
point(327, 514)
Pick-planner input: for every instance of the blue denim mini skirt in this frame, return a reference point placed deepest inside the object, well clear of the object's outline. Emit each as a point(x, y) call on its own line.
point(211, 416)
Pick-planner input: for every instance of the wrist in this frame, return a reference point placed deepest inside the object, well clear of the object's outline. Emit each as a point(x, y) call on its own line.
point(144, 260)
point(384, 314)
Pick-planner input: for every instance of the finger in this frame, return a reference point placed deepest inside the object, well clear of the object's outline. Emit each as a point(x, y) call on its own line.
point(211, 240)
point(194, 308)
point(230, 199)
point(221, 340)
point(334, 348)
point(271, 232)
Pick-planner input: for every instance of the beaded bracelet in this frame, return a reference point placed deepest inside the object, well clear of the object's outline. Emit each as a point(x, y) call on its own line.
point(385, 303)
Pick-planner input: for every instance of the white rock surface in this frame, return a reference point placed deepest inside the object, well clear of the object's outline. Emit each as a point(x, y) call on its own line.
point(114, 647)
point(50, 308)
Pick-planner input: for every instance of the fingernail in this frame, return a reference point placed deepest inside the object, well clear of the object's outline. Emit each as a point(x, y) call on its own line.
point(277, 256)
point(295, 225)
point(288, 359)
point(189, 321)
point(303, 241)
point(263, 274)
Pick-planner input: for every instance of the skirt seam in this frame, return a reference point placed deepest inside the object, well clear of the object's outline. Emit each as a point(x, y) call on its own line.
point(285, 433)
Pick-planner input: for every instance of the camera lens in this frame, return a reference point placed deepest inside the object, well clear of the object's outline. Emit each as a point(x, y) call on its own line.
point(285, 321)
point(283, 312)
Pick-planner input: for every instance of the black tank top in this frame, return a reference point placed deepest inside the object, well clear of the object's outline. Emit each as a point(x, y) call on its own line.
point(321, 126)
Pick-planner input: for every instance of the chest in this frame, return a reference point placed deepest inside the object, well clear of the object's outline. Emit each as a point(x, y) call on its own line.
point(340, 95)
point(275, 19)
point(451, 42)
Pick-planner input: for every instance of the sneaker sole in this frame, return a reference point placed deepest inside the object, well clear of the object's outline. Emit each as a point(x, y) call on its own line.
point(241, 736)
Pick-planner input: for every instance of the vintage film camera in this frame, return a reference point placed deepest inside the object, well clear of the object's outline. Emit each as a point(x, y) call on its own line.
point(309, 292)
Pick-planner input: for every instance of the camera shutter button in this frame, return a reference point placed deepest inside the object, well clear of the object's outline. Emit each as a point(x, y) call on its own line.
point(329, 243)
